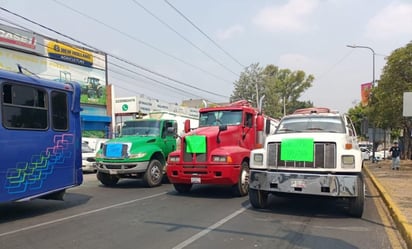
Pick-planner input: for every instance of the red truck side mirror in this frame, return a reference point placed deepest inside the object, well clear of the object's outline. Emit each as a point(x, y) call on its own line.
point(187, 125)
point(260, 123)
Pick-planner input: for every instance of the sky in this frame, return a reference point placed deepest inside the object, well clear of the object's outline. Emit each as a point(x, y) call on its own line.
point(174, 50)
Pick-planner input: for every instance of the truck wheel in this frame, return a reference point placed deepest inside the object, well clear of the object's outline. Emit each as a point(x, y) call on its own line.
point(258, 198)
point(356, 204)
point(106, 179)
point(182, 188)
point(154, 174)
point(242, 186)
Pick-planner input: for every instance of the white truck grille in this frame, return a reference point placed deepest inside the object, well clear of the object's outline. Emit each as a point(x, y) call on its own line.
point(324, 157)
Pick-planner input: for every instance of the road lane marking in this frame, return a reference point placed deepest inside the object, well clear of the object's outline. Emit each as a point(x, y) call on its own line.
point(80, 214)
point(210, 228)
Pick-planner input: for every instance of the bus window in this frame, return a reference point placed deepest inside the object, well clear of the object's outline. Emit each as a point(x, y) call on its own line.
point(59, 111)
point(24, 107)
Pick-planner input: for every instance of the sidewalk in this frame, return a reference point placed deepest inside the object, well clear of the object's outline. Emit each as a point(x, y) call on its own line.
point(395, 188)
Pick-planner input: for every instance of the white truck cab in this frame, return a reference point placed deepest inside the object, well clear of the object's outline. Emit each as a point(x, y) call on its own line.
point(314, 151)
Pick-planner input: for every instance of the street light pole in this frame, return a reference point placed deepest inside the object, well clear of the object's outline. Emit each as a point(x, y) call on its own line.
point(373, 85)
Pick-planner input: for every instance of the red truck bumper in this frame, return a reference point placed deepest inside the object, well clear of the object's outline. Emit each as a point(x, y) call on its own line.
point(193, 174)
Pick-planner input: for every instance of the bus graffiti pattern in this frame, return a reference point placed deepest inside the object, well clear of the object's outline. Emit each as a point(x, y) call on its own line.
point(31, 175)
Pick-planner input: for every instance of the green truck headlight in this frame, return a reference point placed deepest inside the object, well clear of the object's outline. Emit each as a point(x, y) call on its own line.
point(138, 155)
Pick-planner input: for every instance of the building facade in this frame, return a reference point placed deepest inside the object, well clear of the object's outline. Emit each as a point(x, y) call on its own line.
point(60, 61)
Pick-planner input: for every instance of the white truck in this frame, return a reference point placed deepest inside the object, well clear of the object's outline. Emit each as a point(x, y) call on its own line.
point(179, 117)
point(313, 152)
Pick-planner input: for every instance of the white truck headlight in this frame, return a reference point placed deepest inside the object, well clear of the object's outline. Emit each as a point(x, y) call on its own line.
point(258, 159)
point(348, 162)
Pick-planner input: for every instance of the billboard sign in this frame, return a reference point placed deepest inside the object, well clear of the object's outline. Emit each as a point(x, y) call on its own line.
point(92, 80)
point(365, 93)
point(407, 104)
point(21, 40)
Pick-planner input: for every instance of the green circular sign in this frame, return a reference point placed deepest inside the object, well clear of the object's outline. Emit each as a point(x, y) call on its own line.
point(125, 107)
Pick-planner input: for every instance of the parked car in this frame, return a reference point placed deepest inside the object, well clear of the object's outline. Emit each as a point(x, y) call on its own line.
point(366, 154)
point(88, 158)
point(384, 154)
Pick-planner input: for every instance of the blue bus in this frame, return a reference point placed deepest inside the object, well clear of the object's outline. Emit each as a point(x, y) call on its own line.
point(40, 137)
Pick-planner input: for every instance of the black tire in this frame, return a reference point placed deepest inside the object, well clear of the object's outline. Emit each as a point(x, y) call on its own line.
point(154, 174)
point(258, 198)
point(182, 188)
point(356, 204)
point(242, 186)
point(106, 179)
point(99, 92)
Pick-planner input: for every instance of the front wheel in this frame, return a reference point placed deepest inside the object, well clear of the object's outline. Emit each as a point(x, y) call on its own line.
point(106, 179)
point(356, 204)
point(154, 174)
point(258, 198)
point(242, 186)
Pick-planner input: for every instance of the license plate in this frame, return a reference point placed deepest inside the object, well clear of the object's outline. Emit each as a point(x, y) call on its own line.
point(195, 180)
point(112, 172)
point(298, 184)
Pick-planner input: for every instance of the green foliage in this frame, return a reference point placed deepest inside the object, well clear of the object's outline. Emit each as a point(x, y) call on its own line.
point(282, 88)
point(250, 85)
point(358, 116)
point(386, 106)
point(94, 134)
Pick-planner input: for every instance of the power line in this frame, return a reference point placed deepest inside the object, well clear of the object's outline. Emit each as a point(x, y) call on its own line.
point(190, 94)
point(142, 42)
point(184, 38)
point(154, 80)
point(116, 57)
point(201, 31)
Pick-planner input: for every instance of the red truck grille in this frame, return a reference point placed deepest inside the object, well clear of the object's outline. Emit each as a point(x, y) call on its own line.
point(324, 157)
point(193, 157)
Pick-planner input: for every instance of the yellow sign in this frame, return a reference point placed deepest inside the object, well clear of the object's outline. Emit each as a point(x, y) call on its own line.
point(60, 51)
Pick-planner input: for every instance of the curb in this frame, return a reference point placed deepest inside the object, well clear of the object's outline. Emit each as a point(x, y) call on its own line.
point(400, 220)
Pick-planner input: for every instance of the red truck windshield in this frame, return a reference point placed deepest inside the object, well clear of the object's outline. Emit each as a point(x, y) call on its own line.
point(220, 118)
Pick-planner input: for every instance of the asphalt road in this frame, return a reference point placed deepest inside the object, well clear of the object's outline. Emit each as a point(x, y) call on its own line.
point(132, 216)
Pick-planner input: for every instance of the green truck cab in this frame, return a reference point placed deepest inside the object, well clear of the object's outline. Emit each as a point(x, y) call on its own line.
point(140, 152)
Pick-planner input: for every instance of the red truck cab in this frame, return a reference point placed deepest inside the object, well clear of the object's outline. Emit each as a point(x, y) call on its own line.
point(218, 151)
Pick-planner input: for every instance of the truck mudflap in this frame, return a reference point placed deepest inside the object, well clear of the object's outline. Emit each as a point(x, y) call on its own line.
point(305, 183)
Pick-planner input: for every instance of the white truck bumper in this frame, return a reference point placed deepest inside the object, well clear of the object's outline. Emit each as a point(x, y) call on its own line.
point(305, 183)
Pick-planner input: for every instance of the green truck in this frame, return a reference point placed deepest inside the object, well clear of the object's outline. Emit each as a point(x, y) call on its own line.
point(140, 152)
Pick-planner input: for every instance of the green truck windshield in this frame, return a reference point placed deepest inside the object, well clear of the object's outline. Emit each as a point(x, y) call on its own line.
point(141, 128)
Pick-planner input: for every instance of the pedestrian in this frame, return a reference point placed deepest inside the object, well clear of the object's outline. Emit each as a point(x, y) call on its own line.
point(395, 155)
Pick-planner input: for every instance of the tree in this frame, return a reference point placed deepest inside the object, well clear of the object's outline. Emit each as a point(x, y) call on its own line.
point(358, 116)
point(250, 85)
point(386, 109)
point(282, 88)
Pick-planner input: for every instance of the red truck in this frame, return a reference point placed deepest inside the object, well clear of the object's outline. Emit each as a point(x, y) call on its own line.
point(218, 151)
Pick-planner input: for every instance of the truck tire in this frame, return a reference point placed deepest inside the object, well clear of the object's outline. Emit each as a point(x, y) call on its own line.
point(106, 179)
point(242, 186)
point(356, 204)
point(182, 188)
point(154, 174)
point(258, 198)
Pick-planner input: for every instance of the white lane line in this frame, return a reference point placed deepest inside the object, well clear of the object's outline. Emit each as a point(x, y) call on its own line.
point(80, 214)
point(211, 228)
